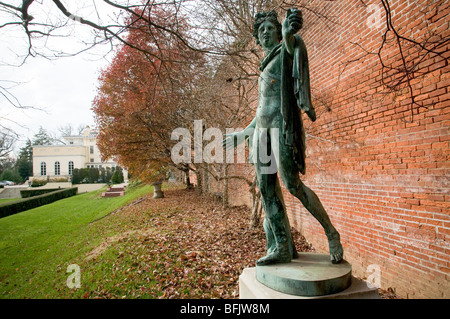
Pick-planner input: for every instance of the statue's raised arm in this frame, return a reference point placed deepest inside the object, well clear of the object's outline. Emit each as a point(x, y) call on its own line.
point(291, 25)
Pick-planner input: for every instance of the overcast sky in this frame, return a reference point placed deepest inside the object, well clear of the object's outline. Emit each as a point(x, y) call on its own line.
point(62, 88)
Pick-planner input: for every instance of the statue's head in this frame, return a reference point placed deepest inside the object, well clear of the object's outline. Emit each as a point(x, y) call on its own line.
point(263, 17)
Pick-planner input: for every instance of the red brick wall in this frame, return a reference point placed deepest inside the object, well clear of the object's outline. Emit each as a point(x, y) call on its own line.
point(380, 169)
point(239, 190)
point(381, 173)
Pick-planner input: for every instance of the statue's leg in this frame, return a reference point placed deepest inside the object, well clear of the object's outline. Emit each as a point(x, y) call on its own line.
point(275, 147)
point(312, 203)
point(278, 241)
point(271, 243)
point(287, 226)
point(270, 239)
point(274, 223)
point(290, 177)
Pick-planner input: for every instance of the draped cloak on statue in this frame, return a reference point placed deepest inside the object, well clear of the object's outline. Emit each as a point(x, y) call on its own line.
point(295, 95)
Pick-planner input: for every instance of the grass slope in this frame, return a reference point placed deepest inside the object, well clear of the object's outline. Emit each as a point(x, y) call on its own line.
point(37, 245)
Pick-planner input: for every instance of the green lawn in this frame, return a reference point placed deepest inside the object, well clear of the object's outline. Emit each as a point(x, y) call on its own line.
point(37, 245)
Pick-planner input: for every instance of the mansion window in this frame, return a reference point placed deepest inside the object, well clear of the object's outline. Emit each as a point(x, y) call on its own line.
point(70, 168)
point(91, 149)
point(43, 169)
point(57, 168)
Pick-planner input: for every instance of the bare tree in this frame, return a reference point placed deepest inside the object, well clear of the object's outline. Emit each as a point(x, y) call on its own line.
point(411, 52)
point(7, 140)
point(108, 23)
point(221, 29)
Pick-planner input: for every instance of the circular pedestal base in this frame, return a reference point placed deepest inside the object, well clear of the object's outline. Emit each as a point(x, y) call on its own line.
point(308, 275)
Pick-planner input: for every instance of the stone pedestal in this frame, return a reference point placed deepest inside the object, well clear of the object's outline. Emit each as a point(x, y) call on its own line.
point(309, 276)
point(157, 191)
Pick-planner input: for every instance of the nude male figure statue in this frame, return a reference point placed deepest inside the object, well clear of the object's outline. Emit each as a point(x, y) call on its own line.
point(283, 91)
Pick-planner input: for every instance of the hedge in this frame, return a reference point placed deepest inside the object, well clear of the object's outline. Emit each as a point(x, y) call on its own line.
point(35, 192)
point(21, 205)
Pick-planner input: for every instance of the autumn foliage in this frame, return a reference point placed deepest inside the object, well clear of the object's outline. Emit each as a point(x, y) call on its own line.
point(143, 97)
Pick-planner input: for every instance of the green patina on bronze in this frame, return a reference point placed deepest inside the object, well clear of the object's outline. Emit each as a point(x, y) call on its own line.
point(284, 91)
point(310, 275)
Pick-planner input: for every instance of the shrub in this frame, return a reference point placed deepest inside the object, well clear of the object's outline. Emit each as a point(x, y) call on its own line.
point(76, 176)
point(59, 180)
point(21, 205)
point(37, 183)
point(117, 176)
point(11, 175)
point(35, 192)
point(93, 175)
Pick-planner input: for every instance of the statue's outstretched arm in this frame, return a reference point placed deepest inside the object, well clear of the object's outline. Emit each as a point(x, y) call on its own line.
point(234, 139)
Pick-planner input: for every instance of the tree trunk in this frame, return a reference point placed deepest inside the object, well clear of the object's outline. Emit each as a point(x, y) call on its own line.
point(255, 217)
point(187, 178)
point(225, 186)
point(199, 174)
point(205, 179)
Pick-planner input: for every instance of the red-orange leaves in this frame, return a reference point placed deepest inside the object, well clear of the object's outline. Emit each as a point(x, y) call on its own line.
point(142, 92)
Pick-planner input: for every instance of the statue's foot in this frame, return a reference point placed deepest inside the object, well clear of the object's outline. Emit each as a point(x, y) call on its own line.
point(277, 257)
point(336, 249)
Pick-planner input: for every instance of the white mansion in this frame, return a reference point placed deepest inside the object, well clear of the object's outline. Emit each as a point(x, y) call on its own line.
point(81, 151)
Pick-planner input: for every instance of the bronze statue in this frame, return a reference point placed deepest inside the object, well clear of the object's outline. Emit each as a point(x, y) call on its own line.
point(277, 128)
